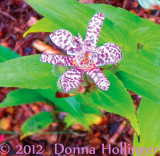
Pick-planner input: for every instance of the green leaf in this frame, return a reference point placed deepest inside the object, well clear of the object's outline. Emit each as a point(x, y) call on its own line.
point(115, 100)
point(68, 19)
point(22, 96)
point(116, 28)
point(148, 119)
point(36, 123)
point(43, 25)
point(91, 114)
point(89, 109)
point(69, 105)
point(76, 109)
point(90, 118)
point(7, 54)
point(71, 19)
point(121, 24)
point(110, 31)
point(140, 76)
point(26, 72)
point(121, 17)
point(150, 4)
point(113, 33)
point(149, 43)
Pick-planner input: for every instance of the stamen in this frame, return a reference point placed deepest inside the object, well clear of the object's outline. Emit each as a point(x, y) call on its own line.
point(86, 63)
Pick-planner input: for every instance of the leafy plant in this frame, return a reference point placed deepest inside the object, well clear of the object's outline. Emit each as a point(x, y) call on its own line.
point(148, 119)
point(7, 54)
point(138, 71)
point(22, 96)
point(37, 123)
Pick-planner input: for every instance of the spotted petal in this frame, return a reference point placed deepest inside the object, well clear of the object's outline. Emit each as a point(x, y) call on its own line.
point(109, 53)
point(57, 59)
point(71, 79)
point(99, 78)
point(65, 40)
point(94, 29)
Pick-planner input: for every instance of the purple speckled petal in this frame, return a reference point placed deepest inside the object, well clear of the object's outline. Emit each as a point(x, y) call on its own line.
point(65, 40)
point(57, 59)
point(94, 29)
point(71, 79)
point(109, 53)
point(99, 78)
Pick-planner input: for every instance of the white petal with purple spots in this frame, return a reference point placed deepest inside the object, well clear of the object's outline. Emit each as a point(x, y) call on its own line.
point(109, 53)
point(94, 29)
point(71, 79)
point(99, 78)
point(57, 59)
point(65, 40)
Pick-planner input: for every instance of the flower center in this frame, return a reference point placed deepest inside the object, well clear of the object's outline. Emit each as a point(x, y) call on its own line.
point(84, 60)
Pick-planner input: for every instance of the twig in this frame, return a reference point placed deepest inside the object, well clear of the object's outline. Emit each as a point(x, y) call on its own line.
point(113, 139)
point(39, 45)
point(127, 4)
point(6, 14)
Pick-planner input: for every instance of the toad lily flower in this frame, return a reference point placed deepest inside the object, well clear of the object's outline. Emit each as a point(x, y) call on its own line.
point(84, 56)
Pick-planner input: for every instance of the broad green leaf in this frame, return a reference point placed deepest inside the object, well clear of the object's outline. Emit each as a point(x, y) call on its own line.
point(22, 96)
point(89, 109)
point(115, 100)
point(113, 33)
point(71, 20)
point(26, 72)
point(43, 25)
point(69, 105)
point(121, 17)
point(36, 123)
point(116, 28)
point(148, 39)
point(150, 4)
point(124, 23)
point(7, 54)
point(140, 76)
point(66, 14)
point(109, 32)
point(149, 124)
point(90, 118)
